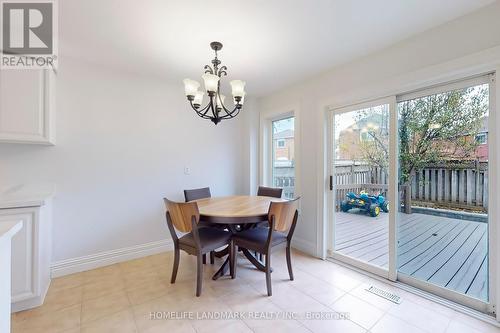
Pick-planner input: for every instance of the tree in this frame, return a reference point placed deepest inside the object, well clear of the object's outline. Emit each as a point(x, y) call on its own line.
point(439, 128)
point(432, 129)
point(374, 143)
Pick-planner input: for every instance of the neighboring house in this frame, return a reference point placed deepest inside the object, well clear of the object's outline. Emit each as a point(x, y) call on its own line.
point(348, 145)
point(284, 162)
point(481, 139)
point(284, 148)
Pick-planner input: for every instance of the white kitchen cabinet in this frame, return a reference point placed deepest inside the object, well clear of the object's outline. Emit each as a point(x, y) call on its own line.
point(27, 106)
point(31, 254)
point(7, 230)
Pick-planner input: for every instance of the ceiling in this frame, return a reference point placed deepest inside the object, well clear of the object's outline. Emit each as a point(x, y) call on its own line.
point(270, 44)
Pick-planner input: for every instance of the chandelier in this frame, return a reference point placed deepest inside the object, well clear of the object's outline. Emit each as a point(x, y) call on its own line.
point(215, 110)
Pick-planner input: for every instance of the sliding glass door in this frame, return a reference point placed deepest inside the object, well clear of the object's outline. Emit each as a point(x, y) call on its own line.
point(360, 179)
point(443, 231)
point(410, 189)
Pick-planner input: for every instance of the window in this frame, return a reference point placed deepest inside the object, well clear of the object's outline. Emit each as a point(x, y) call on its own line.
point(482, 138)
point(283, 155)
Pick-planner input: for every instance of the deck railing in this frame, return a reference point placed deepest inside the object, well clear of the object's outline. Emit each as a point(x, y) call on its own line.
point(449, 185)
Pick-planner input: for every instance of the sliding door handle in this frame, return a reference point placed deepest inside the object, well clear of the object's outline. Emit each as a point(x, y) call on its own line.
point(331, 183)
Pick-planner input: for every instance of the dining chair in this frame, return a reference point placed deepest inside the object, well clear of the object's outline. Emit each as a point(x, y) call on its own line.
point(196, 194)
point(282, 218)
point(264, 191)
point(269, 192)
point(196, 241)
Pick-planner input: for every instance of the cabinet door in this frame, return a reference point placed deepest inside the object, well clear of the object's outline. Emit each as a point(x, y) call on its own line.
point(25, 106)
point(24, 282)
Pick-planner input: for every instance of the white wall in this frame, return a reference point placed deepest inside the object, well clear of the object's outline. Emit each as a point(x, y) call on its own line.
point(122, 144)
point(373, 76)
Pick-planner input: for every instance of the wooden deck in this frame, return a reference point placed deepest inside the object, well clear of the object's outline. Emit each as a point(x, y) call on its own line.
point(446, 252)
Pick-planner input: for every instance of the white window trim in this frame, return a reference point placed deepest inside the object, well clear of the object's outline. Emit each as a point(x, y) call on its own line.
point(265, 165)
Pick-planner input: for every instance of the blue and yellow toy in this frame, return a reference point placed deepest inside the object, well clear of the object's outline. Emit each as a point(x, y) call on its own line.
point(369, 203)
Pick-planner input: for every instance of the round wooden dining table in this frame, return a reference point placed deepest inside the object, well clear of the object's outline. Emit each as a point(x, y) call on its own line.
point(238, 213)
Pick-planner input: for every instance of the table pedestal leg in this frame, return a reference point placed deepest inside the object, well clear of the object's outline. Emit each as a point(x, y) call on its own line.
point(225, 266)
point(256, 262)
point(222, 270)
point(222, 253)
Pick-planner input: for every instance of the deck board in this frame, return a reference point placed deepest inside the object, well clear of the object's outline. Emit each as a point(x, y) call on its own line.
point(440, 244)
point(445, 273)
point(425, 244)
point(479, 287)
point(447, 252)
point(425, 272)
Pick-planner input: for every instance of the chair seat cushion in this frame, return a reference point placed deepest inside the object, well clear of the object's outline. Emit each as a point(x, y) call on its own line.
point(256, 238)
point(210, 239)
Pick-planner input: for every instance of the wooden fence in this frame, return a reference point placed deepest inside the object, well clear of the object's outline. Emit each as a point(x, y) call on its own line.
point(458, 186)
point(463, 186)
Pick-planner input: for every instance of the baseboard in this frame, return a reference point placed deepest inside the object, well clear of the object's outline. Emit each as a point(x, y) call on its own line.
point(304, 246)
point(85, 263)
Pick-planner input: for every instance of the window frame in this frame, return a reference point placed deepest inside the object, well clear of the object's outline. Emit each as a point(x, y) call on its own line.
point(266, 144)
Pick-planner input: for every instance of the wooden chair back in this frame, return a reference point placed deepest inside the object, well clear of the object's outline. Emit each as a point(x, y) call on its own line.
point(270, 192)
point(197, 193)
point(285, 214)
point(181, 214)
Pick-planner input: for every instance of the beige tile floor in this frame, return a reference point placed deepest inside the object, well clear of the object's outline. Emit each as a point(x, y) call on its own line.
point(122, 297)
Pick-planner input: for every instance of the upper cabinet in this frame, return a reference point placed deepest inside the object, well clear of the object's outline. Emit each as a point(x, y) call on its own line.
point(27, 106)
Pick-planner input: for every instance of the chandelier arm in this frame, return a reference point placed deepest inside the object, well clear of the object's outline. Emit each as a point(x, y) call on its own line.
point(223, 107)
point(213, 107)
point(229, 114)
point(222, 104)
point(199, 109)
point(222, 71)
point(202, 112)
point(201, 115)
point(207, 108)
point(208, 69)
point(233, 114)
